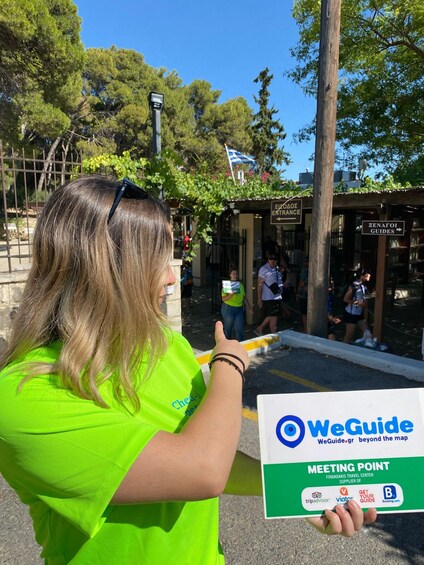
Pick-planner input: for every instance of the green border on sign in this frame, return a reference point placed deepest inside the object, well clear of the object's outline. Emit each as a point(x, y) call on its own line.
point(284, 483)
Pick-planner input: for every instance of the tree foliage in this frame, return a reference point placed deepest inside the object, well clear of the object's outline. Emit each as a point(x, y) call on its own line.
point(204, 194)
point(267, 131)
point(56, 97)
point(41, 59)
point(380, 102)
point(194, 125)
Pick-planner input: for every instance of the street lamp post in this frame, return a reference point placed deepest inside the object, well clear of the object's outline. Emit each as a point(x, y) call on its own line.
point(156, 104)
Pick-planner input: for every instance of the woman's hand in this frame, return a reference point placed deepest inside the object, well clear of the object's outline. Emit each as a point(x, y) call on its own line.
point(224, 345)
point(343, 521)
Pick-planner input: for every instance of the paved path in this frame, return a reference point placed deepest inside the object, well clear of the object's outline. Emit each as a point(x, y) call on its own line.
point(402, 326)
point(249, 539)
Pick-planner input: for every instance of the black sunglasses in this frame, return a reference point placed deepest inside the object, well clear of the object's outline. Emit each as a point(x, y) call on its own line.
point(127, 190)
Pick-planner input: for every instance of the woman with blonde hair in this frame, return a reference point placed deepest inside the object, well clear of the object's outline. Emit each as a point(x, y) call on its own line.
point(107, 431)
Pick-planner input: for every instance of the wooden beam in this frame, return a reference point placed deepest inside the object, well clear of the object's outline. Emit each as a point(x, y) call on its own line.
point(380, 281)
point(319, 248)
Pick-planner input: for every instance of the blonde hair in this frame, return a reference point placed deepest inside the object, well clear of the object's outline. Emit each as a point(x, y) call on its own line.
point(95, 287)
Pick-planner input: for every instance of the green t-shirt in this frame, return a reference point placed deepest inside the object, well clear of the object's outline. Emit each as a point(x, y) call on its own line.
point(66, 456)
point(236, 299)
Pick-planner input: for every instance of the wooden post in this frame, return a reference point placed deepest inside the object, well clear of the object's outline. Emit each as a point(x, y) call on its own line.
point(319, 249)
point(380, 281)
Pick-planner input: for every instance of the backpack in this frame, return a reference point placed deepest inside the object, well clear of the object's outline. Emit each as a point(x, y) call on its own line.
point(345, 289)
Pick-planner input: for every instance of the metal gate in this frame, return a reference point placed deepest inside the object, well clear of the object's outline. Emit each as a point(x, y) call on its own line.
point(222, 255)
point(26, 183)
point(296, 245)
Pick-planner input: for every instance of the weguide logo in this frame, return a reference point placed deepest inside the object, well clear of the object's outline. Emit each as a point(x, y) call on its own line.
point(291, 429)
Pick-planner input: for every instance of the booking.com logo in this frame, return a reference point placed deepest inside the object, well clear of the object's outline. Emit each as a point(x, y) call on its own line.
point(290, 430)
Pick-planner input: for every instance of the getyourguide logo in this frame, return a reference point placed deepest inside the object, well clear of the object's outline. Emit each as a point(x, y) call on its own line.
point(291, 429)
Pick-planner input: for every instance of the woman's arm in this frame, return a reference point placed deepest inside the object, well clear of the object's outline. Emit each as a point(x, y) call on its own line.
point(245, 476)
point(347, 298)
point(261, 282)
point(195, 463)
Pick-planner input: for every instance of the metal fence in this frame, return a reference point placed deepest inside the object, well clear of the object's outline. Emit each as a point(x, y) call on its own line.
point(296, 245)
point(26, 181)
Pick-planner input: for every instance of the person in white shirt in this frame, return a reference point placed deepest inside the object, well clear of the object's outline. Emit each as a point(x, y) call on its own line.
point(270, 293)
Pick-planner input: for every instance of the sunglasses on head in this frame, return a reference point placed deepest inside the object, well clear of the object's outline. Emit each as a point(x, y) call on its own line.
point(126, 190)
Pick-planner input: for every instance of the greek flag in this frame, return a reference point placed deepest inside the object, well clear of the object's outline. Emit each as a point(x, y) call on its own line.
point(237, 158)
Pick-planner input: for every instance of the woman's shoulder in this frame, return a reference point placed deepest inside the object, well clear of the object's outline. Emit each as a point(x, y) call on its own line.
point(178, 343)
point(43, 354)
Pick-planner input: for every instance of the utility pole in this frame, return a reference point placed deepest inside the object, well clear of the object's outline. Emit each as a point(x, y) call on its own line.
point(319, 248)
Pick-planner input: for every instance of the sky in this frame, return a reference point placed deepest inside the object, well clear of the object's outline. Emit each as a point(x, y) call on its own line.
point(218, 41)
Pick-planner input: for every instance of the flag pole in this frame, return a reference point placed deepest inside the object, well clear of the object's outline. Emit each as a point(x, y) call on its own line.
point(229, 162)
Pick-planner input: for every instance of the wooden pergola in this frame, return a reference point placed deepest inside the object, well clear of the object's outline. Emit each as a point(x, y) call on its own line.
point(381, 204)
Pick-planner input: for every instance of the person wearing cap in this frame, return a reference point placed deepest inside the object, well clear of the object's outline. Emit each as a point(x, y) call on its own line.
point(270, 294)
point(355, 313)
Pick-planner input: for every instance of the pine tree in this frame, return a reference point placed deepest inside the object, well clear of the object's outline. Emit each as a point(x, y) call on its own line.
point(267, 131)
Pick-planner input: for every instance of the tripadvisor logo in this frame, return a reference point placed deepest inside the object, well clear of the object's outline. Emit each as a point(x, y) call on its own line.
point(291, 429)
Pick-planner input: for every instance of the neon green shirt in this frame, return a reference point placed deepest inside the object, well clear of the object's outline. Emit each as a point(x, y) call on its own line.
point(236, 299)
point(65, 457)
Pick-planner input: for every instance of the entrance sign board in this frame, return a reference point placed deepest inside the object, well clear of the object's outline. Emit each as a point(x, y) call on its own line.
point(322, 449)
point(286, 211)
point(386, 227)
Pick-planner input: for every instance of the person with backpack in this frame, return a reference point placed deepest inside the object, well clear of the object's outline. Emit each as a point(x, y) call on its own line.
point(270, 294)
point(356, 308)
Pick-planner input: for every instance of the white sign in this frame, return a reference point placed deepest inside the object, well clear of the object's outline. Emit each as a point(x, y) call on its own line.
point(231, 287)
point(322, 449)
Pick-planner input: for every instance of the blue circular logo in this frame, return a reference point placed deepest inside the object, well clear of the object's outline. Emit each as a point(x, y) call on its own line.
point(290, 430)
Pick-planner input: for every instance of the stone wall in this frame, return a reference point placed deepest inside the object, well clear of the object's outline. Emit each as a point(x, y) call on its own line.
point(172, 305)
point(11, 288)
point(12, 285)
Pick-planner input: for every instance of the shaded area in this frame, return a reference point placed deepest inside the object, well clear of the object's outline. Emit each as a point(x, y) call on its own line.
point(402, 329)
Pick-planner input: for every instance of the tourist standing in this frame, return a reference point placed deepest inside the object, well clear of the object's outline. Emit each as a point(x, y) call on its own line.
point(355, 313)
point(233, 301)
point(270, 293)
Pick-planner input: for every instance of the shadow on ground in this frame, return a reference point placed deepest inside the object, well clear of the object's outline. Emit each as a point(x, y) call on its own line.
point(402, 328)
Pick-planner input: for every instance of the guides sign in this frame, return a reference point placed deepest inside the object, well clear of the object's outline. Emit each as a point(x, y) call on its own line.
point(389, 227)
point(322, 449)
point(286, 212)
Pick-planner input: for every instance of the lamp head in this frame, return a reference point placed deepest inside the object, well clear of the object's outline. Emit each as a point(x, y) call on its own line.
point(156, 100)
